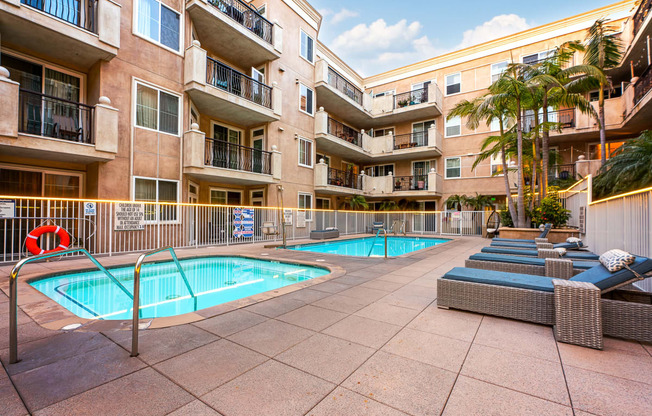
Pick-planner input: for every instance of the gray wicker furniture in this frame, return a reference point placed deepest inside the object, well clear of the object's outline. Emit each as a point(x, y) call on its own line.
point(324, 234)
point(557, 268)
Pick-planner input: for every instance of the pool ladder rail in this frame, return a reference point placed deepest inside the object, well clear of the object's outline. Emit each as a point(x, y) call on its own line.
point(375, 238)
point(13, 291)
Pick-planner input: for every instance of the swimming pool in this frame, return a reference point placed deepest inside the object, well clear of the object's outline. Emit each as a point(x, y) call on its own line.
point(214, 280)
point(362, 247)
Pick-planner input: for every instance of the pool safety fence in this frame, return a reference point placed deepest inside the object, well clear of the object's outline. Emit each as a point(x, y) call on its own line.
point(117, 227)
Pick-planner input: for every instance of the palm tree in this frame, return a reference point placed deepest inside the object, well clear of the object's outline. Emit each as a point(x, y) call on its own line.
point(482, 109)
point(628, 169)
point(406, 205)
point(479, 202)
point(603, 52)
point(456, 201)
point(356, 203)
point(388, 205)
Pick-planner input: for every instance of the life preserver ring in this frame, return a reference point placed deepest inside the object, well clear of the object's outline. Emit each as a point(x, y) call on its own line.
point(32, 239)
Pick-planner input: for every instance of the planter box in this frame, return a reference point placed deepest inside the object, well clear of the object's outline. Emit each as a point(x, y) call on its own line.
point(554, 236)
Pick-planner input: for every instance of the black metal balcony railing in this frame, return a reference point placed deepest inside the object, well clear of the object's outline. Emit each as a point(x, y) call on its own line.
point(406, 99)
point(344, 178)
point(44, 115)
point(221, 76)
point(565, 117)
point(643, 85)
point(351, 135)
point(406, 141)
point(411, 183)
point(345, 87)
point(641, 14)
point(562, 172)
point(81, 13)
point(246, 16)
point(221, 154)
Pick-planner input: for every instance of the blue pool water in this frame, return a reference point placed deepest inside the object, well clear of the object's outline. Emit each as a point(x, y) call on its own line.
point(362, 246)
point(214, 280)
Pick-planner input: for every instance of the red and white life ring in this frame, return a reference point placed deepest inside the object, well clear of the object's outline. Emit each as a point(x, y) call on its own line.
point(32, 239)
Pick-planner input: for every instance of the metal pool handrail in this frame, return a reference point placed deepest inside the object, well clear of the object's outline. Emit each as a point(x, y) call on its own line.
point(13, 293)
point(137, 268)
point(374, 243)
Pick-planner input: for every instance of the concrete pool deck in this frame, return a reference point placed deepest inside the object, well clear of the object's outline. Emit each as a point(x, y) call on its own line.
point(369, 340)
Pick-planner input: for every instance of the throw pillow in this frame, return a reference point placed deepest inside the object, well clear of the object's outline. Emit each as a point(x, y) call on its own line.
point(615, 260)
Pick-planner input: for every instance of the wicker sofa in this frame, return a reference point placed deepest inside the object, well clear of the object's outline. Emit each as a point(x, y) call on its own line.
point(324, 234)
point(576, 307)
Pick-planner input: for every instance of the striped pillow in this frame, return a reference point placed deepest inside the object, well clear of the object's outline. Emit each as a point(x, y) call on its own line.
point(615, 260)
point(561, 251)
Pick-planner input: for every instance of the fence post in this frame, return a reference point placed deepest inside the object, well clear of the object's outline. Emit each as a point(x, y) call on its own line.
point(110, 230)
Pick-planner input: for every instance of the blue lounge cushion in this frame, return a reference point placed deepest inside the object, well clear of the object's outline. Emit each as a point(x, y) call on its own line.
point(526, 260)
point(490, 277)
point(569, 246)
point(572, 255)
point(604, 279)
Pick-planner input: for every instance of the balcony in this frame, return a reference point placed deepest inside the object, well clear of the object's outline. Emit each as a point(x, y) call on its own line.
point(565, 118)
point(337, 138)
point(236, 30)
point(77, 32)
point(40, 126)
point(219, 161)
point(417, 104)
point(222, 92)
point(336, 182)
point(343, 99)
point(402, 186)
point(641, 14)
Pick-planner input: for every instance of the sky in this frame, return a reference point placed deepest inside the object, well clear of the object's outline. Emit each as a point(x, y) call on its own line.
point(374, 36)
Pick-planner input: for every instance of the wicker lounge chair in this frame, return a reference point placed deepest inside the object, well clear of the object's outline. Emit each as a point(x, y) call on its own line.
point(561, 268)
point(326, 234)
point(542, 236)
point(543, 253)
point(568, 246)
point(575, 306)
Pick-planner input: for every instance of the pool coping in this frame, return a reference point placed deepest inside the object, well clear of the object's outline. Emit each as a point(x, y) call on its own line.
point(49, 314)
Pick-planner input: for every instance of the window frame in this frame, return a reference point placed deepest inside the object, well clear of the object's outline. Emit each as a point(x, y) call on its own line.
point(312, 114)
point(446, 125)
point(498, 163)
point(312, 148)
point(158, 220)
point(136, 82)
point(373, 168)
point(226, 191)
point(308, 210)
point(538, 54)
point(49, 171)
point(135, 32)
point(446, 83)
point(491, 70)
point(301, 33)
point(446, 167)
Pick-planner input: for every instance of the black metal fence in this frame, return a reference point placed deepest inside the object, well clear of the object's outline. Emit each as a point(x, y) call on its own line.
point(45, 115)
point(565, 118)
point(246, 16)
point(406, 141)
point(344, 132)
point(641, 14)
point(411, 183)
point(226, 78)
point(411, 98)
point(81, 13)
point(345, 178)
point(562, 172)
point(345, 87)
point(222, 154)
point(643, 85)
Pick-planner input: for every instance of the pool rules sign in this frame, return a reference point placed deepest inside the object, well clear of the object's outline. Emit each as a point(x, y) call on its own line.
point(243, 222)
point(129, 217)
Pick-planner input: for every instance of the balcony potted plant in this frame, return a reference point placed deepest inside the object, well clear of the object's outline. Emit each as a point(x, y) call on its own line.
point(403, 103)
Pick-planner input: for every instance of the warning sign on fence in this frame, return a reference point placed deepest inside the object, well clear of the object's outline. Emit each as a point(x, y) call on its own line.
point(129, 217)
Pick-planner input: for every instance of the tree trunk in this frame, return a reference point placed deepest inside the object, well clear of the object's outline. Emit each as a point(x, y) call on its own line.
point(603, 131)
point(545, 147)
point(510, 200)
point(520, 202)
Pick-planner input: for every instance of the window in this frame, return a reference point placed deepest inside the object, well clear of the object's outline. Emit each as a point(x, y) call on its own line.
point(323, 203)
point(497, 164)
point(537, 57)
point(382, 94)
point(157, 190)
point(15, 180)
point(305, 202)
point(615, 93)
point(380, 170)
point(453, 83)
point(305, 152)
point(327, 160)
point(422, 167)
point(495, 124)
point(595, 150)
point(158, 23)
point(262, 10)
point(383, 132)
point(157, 110)
point(453, 167)
point(224, 197)
point(307, 49)
point(497, 70)
point(306, 100)
point(454, 126)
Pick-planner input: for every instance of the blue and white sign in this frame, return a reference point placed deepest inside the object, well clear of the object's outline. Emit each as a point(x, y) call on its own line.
point(237, 222)
point(90, 209)
point(243, 222)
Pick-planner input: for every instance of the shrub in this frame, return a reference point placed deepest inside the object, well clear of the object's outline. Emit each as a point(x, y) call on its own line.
point(550, 210)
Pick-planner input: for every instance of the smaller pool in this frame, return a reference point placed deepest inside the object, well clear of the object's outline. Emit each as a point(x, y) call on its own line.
point(371, 246)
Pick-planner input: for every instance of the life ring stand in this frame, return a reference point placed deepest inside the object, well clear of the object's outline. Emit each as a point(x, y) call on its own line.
point(31, 242)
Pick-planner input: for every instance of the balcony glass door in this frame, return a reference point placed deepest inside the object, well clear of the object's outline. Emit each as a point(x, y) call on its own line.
point(258, 142)
point(420, 174)
point(256, 87)
point(226, 147)
point(420, 132)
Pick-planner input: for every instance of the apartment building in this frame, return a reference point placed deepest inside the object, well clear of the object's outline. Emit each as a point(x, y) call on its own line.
point(233, 102)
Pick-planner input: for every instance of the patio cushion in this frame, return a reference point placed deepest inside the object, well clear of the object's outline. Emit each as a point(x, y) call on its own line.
point(568, 246)
point(573, 255)
point(490, 277)
point(526, 260)
point(604, 279)
point(546, 230)
point(615, 259)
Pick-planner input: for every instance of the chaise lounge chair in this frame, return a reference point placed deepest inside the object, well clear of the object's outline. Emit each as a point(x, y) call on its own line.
point(575, 307)
point(325, 234)
point(568, 246)
point(544, 234)
point(561, 268)
point(543, 253)
point(376, 225)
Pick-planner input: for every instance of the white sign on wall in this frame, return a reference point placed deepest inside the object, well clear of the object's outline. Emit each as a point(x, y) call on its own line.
point(287, 216)
point(301, 219)
point(129, 217)
point(7, 208)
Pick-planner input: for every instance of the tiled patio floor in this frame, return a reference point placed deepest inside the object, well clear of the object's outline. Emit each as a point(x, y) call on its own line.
point(371, 342)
